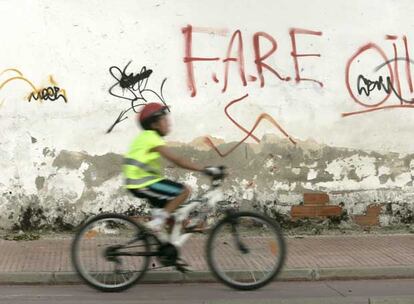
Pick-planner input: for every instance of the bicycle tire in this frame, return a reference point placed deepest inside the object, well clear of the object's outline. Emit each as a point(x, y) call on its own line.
point(223, 275)
point(88, 276)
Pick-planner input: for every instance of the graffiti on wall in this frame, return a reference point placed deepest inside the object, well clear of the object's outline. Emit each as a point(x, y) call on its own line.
point(259, 119)
point(50, 92)
point(386, 85)
point(236, 44)
point(134, 89)
point(372, 93)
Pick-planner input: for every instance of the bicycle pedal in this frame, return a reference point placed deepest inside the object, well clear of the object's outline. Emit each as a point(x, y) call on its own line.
point(194, 230)
point(183, 268)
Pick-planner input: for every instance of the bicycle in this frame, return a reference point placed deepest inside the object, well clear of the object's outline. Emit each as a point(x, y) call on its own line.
point(111, 252)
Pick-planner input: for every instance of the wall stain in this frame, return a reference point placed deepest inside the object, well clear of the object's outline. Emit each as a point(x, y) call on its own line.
point(277, 171)
point(48, 152)
point(100, 167)
point(40, 181)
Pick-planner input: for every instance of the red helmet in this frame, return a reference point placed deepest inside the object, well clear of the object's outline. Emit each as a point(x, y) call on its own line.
point(151, 110)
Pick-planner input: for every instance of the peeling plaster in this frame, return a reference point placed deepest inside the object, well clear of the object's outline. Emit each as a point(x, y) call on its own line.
point(66, 187)
point(312, 174)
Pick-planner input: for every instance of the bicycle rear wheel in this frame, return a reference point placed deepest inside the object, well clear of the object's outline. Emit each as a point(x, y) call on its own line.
point(106, 252)
point(246, 250)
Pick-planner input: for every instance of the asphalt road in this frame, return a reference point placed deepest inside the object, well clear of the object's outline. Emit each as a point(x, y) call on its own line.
point(337, 292)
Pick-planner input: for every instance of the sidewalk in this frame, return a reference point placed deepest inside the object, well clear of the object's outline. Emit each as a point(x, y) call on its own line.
point(308, 258)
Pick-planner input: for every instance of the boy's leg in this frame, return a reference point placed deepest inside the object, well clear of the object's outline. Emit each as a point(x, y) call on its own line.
point(166, 195)
point(176, 202)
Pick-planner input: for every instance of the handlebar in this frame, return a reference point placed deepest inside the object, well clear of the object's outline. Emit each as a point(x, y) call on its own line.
point(222, 173)
point(218, 177)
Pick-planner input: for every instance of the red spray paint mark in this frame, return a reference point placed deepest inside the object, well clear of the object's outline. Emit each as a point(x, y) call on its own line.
point(252, 78)
point(259, 58)
point(391, 37)
point(189, 59)
point(407, 65)
point(387, 86)
point(233, 121)
point(361, 50)
point(376, 109)
point(239, 59)
point(397, 74)
point(293, 32)
point(263, 116)
point(236, 45)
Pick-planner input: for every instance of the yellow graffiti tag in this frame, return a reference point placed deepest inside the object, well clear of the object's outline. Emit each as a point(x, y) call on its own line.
point(52, 92)
point(12, 70)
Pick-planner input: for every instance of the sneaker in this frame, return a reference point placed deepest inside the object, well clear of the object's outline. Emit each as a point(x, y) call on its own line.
point(182, 266)
point(157, 223)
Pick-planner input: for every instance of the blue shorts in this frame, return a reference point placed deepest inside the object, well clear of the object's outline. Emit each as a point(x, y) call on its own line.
point(160, 193)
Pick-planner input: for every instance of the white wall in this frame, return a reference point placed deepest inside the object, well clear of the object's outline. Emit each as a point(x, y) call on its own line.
point(78, 41)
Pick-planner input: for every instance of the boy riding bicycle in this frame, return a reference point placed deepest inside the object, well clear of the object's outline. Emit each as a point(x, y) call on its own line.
point(142, 168)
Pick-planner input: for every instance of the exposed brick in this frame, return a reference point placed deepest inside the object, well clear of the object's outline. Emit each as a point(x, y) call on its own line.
point(330, 211)
point(371, 217)
point(304, 211)
point(315, 211)
point(315, 198)
point(374, 209)
point(364, 220)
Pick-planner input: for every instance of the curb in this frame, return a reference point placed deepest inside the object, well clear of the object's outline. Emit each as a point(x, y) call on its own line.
point(391, 272)
point(294, 274)
point(329, 300)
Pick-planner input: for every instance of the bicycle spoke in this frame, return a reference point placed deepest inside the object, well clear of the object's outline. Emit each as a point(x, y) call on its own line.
point(124, 277)
point(254, 278)
point(258, 266)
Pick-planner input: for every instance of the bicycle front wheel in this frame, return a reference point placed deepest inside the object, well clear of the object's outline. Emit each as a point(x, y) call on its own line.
point(108, 252)
point(246, 250)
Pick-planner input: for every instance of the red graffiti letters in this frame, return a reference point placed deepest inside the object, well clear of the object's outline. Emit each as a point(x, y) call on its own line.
point(236, 46)
point(295, 55)
point(259, 58)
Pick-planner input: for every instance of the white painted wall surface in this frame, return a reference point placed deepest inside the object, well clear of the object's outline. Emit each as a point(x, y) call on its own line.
point(78, 41)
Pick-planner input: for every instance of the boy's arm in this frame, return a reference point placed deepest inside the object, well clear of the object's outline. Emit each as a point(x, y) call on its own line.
point(179, 161)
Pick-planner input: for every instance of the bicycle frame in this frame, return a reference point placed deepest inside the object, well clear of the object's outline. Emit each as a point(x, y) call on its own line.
point(211, 197)
point(164, 247)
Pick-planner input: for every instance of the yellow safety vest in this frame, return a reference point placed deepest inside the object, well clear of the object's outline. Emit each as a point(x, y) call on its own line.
point(142, 166)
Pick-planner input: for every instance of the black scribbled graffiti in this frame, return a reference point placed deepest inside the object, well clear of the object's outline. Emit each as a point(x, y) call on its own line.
point(366, 86)
point(49, 93)
point(134, 89)
point(391, 61)
point(134, 84)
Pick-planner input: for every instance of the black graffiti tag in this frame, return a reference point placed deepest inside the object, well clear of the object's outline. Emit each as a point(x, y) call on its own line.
point(366, 86)
point(49, 93)
point(135, 87)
